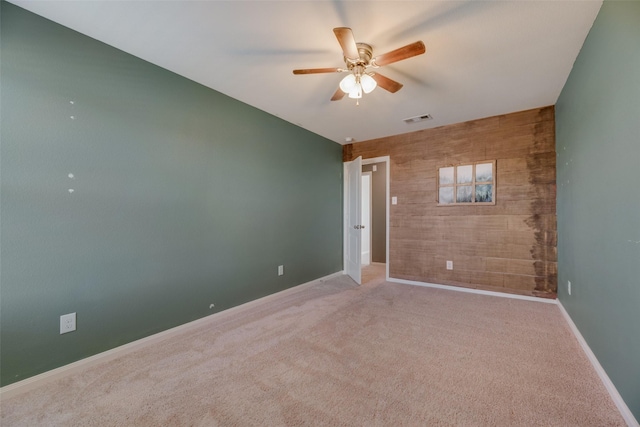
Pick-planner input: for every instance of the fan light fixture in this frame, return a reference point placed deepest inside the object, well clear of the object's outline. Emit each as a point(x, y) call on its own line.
point(354, 85)
point(358, 58)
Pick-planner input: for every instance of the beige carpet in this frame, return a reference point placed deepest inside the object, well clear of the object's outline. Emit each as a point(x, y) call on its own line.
point(336, 354)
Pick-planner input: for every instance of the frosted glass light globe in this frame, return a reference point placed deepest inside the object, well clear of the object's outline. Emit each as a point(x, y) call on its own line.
point(356, 92)
point(368, 83)
point(348, 83)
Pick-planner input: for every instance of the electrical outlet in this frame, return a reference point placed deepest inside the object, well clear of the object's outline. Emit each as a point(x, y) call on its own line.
point(569, 286)
point(449, 265)
point(67, 323)
point(280, 270)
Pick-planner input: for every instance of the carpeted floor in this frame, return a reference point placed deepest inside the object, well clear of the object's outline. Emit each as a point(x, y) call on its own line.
point(337, 354)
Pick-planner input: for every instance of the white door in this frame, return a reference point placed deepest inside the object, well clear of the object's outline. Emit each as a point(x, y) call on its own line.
point(352, 204)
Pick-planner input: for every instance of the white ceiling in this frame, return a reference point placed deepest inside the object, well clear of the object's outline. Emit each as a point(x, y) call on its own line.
point(483, 57)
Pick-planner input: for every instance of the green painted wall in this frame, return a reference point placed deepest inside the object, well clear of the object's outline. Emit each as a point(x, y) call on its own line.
point(182, 197)
point(598, 146)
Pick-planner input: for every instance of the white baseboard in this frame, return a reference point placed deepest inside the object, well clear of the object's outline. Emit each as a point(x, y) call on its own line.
point(40, 379)
point(613, 392)
point(473, 291)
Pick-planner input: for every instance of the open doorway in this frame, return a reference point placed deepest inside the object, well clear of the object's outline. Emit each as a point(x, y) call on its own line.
point(379, 229)
point(375, 214)
point(366, 216)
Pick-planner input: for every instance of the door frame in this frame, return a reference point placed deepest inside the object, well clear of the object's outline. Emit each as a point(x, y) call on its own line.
point(381, 159)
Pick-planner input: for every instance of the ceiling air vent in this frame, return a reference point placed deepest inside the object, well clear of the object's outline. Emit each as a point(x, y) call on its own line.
point(417, 119)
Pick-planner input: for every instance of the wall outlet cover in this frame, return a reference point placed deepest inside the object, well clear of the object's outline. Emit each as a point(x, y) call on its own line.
point(67, 323)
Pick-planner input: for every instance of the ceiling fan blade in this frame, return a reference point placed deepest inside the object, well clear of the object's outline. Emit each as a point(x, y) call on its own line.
point(399, 54)
point(338, 95)
point(347, 42)
point(386, 83)
point(317, 70)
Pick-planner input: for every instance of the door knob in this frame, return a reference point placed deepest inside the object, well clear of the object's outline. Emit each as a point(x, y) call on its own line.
point(358, 227)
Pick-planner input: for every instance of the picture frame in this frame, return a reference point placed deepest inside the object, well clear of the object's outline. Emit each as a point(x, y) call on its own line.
point(466, 184)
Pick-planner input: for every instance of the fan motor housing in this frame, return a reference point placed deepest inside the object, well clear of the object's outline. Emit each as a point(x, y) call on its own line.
point(366, 53)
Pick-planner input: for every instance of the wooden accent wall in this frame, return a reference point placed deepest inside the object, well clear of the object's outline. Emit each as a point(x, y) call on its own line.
point(509, 247)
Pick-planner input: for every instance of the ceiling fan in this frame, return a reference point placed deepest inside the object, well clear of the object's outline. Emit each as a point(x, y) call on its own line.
point(358, 57)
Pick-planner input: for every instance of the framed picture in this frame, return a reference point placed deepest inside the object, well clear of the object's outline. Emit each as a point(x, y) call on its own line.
point(467, 184)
